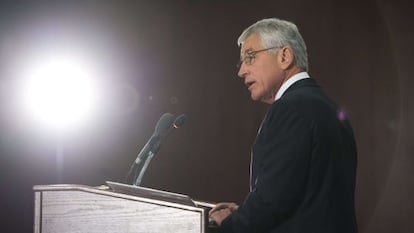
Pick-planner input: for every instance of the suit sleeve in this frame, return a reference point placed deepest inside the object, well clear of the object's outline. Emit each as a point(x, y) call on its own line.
point(282, 155)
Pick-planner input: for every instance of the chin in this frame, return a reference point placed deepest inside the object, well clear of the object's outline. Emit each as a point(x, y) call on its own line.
point(268, 100)
point(254, 97)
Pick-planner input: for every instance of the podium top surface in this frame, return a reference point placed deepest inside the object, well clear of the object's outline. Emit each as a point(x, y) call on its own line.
point(150, 193)
point(131, 192)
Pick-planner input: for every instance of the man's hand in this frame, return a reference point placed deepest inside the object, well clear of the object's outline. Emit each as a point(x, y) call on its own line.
point(221, 211)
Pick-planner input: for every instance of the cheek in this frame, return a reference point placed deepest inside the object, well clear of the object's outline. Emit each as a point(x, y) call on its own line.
point(268, 77)
point(271, 80)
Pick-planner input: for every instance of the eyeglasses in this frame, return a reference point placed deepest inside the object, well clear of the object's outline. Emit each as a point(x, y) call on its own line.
point(250, 55)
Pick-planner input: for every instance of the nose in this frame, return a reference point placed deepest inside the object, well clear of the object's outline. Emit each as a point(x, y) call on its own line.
point(242, 70)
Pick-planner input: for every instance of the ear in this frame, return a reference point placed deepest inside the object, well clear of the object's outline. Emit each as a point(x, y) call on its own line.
point(286, 57)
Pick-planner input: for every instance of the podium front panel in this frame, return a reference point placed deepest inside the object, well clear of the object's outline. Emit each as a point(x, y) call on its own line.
point(97, 211)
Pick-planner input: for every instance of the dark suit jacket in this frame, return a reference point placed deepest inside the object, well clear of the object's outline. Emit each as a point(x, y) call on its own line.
point(303, 168)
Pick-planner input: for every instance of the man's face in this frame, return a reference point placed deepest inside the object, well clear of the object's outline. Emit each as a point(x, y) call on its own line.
point(264, 76)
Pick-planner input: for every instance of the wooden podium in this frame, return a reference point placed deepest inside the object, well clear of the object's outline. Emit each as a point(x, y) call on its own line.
point(125, 208)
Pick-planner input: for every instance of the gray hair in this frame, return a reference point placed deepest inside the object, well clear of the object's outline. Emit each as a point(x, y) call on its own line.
point(278, 33)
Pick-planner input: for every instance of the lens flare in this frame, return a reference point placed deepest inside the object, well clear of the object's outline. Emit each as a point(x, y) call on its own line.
point(59, 91)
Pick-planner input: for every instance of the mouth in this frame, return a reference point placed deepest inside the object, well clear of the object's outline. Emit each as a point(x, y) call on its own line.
point(249, 84)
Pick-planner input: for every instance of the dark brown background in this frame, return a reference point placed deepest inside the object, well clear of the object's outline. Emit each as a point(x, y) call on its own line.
point(178, 57)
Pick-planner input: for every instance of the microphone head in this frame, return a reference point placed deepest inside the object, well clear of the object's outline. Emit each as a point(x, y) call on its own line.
point(179, 121)
point(164, 124)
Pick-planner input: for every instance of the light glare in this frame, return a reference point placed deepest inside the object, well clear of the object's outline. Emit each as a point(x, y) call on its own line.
point(59, 92)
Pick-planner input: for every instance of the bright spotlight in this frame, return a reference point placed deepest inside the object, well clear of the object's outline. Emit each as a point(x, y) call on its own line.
point(59, 91)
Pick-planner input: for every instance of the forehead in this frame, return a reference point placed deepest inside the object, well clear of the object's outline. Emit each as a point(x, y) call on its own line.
point(252, 42)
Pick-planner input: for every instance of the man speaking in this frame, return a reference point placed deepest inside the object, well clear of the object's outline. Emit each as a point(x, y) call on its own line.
point(304, 157)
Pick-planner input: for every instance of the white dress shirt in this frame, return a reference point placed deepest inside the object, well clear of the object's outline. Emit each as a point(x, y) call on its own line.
point(289, 82)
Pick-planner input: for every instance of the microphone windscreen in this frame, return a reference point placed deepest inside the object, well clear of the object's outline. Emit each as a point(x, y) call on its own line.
point(164, 124)
point(180, 120)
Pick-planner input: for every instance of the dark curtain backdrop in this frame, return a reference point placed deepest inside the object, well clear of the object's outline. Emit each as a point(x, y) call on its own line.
point(179, 57)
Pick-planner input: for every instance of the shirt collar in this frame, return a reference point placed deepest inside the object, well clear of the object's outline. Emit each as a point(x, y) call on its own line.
point(289, 82)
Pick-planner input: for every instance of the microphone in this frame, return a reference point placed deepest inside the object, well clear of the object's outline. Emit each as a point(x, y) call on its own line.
point(162, 129)
point(179, 121)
